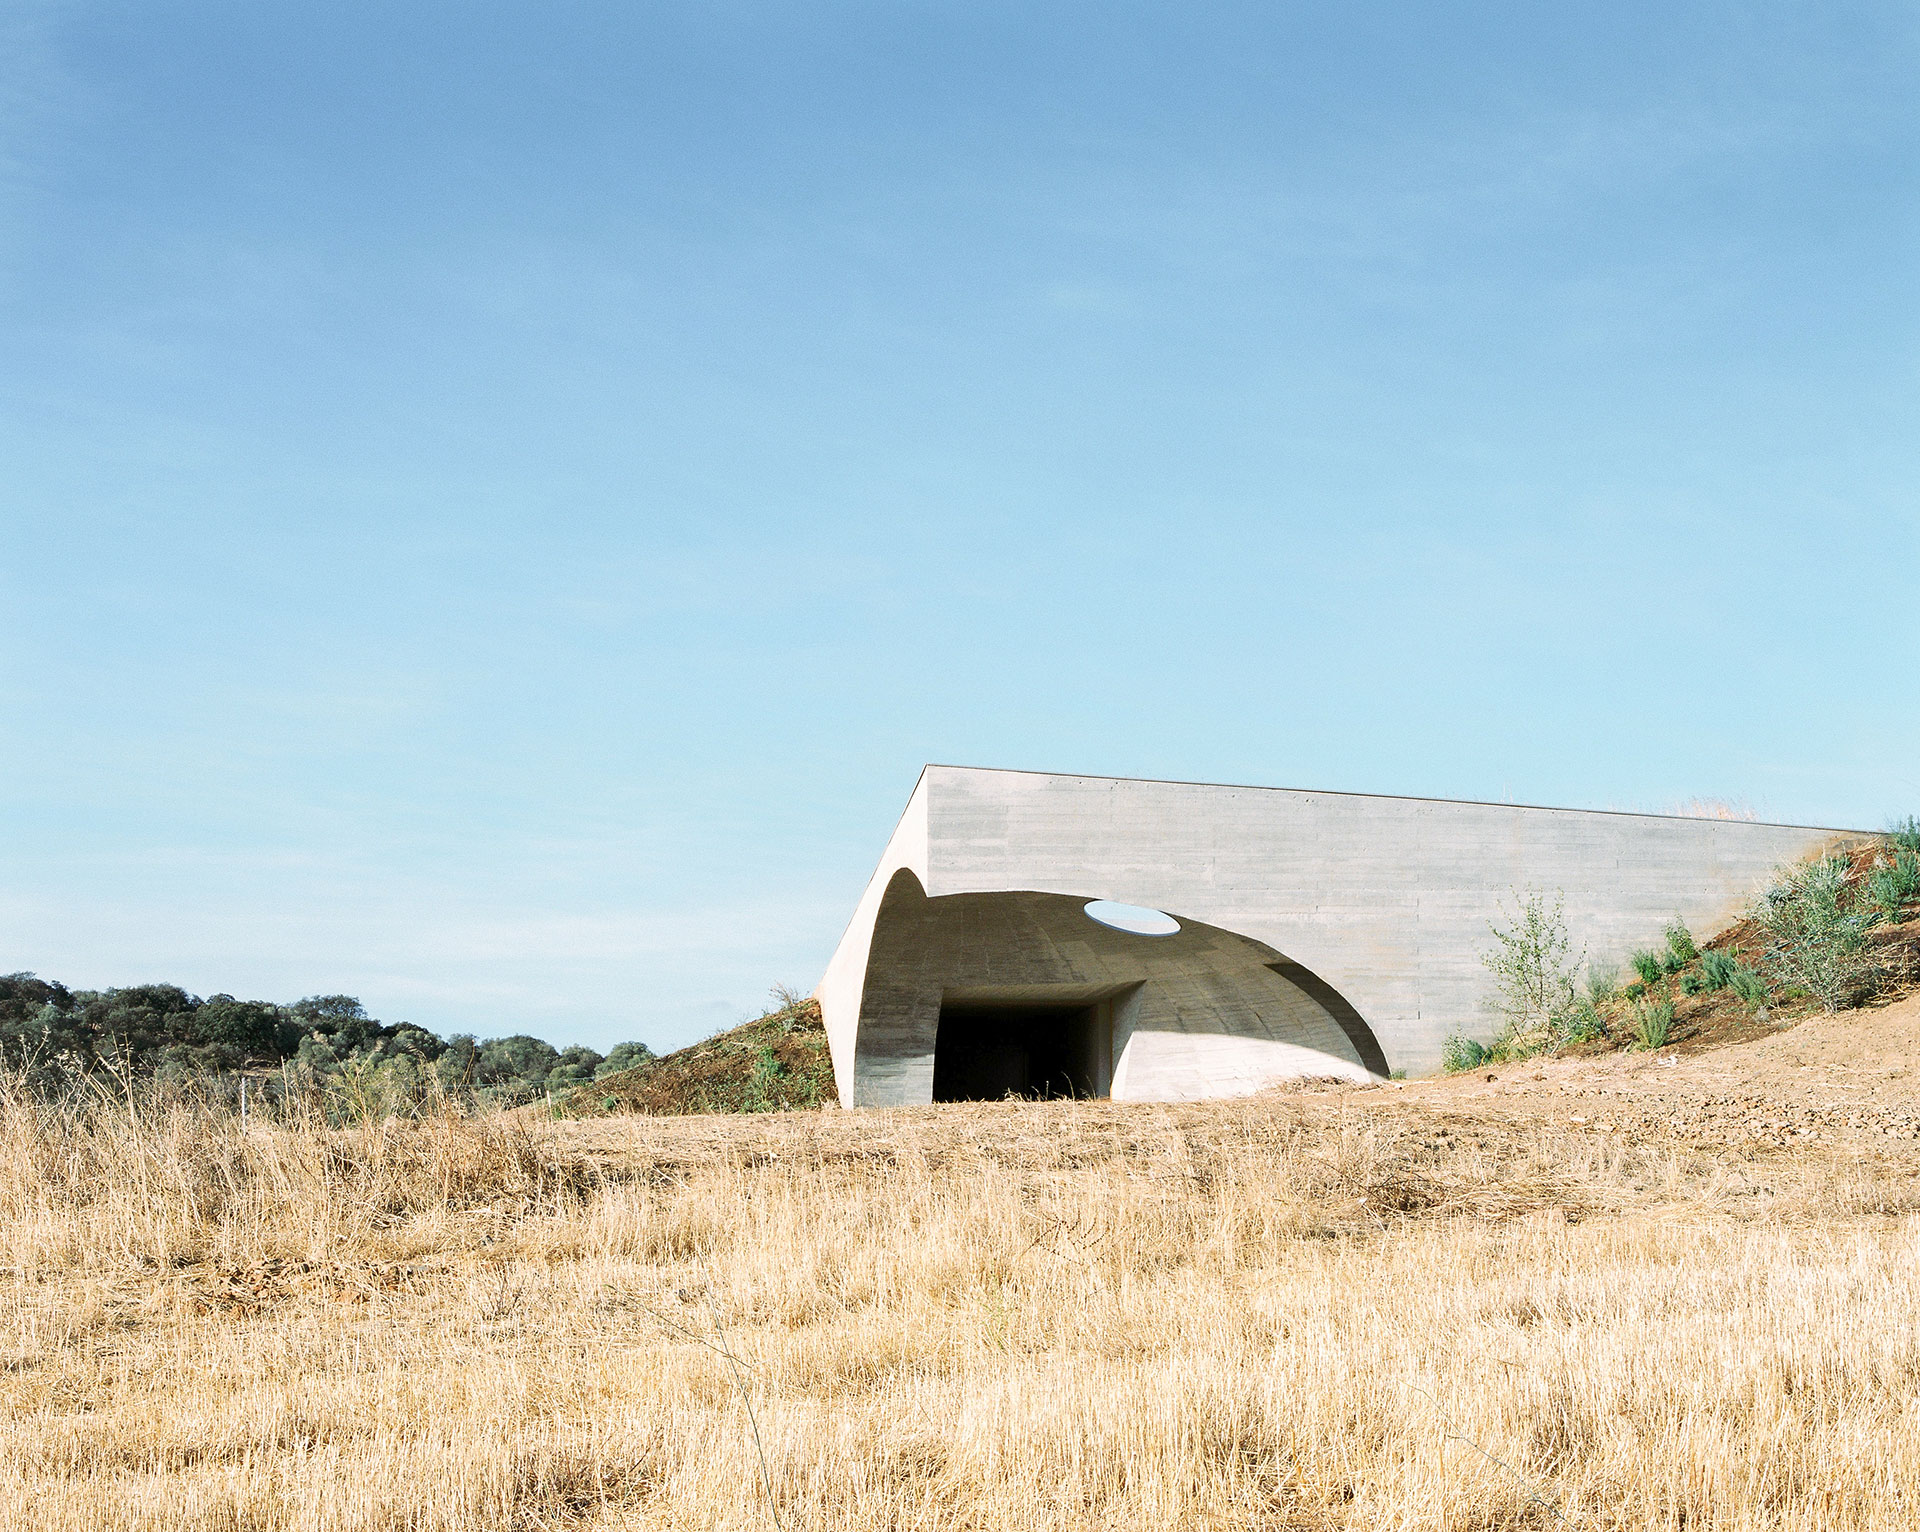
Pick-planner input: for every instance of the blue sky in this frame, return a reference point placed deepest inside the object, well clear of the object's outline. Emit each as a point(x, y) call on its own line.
point(497, 503)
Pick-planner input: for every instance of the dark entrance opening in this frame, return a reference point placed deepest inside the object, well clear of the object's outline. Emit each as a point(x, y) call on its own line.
point(985, 1052)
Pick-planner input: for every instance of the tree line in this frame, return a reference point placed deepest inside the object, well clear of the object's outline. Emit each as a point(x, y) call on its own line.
point(50, 1033)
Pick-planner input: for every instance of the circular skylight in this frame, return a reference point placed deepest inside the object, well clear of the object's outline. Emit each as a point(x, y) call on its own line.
point(1134, 919)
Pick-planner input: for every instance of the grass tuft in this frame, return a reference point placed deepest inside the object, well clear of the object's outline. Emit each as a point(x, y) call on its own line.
point(1584, 1023)
point(1718, 969)
point(1749, 984)
point(1652, 1022)
point(1461, 1053)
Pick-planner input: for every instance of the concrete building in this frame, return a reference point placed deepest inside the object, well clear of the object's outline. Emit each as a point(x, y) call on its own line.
point(1166, 941)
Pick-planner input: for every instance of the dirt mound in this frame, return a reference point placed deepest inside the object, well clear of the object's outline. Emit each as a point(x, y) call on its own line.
point(1719, 1017)
point(1848, 1078)
point(774, 1063)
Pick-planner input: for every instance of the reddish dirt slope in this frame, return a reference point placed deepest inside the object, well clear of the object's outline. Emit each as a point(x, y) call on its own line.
point(1850, 1077)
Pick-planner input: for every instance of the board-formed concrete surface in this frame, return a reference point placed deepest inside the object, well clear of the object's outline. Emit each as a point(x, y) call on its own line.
point(1322, 934)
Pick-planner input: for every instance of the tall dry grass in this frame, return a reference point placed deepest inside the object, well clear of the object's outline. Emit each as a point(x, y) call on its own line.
point(1278, 1314)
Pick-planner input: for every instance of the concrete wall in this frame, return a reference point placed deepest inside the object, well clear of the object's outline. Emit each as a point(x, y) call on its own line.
point(1386, 900)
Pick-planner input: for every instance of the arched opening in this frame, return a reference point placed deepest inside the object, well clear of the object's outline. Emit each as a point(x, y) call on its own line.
point(986, 1050)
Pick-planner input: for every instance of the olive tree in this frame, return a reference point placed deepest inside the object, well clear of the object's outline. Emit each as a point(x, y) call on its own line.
point(1533, 964)
point(1814, 932)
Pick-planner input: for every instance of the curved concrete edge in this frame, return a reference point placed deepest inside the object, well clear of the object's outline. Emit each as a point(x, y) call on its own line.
point(842, 986)
point(1336, 1005)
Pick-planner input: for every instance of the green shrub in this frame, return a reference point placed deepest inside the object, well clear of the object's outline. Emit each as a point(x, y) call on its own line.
point(1680, 947)
point(1458, 1053)
point(1893, 885)
point(622, 1056)
point(1718, 969)
point(1584, 1023)
point(1634, 990)
point(1905, 834)
point(761, 1092)
point(1523, 1045)
point(1652, 1021)
point(1671, 962)
point(1695, 982)
point(1748, 985)
point(1815, 933)
point(1649, 967)
point(1602, 984)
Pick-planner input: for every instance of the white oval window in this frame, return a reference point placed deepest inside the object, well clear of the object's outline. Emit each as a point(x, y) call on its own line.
point(1135, 919)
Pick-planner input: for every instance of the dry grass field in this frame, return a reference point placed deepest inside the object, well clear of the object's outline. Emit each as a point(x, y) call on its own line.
point(1623, 1293)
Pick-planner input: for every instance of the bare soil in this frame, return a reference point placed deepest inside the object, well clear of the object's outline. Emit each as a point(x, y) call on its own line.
point(1851, 1079)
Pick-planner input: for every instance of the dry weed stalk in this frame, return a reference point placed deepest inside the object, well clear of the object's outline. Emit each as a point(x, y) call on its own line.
point(1008, 1317)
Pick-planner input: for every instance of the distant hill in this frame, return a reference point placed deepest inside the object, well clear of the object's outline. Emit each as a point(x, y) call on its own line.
point(774, 1063)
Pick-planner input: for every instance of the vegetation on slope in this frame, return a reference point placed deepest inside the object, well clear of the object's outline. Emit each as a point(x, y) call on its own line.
point(776, 1062)
point(1830, 934)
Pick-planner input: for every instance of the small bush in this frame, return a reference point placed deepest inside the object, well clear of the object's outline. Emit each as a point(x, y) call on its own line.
point(1635, 990)
point(1718, 968)
point(1523, 1045)
point(1816, 933)
point(761, 1093)
point(622, 1056)
point(1652, 1021)
point(1602, 984)
point(1680, 948)
point(1532, 963)
point(1649, 967)
point(1748, 985)
point(1584, 1023)
point(1905, 834)
point(1460, 1053)
point(1695, 982)
point(1893, 885)
point(1671, 962)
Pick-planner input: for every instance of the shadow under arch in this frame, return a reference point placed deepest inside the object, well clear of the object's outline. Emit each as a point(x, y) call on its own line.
point(1340, 1008)
point(1203, 1011)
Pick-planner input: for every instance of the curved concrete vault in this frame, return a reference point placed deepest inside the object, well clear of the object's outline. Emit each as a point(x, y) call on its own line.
point(1170, 1017)
point(1319, 934)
